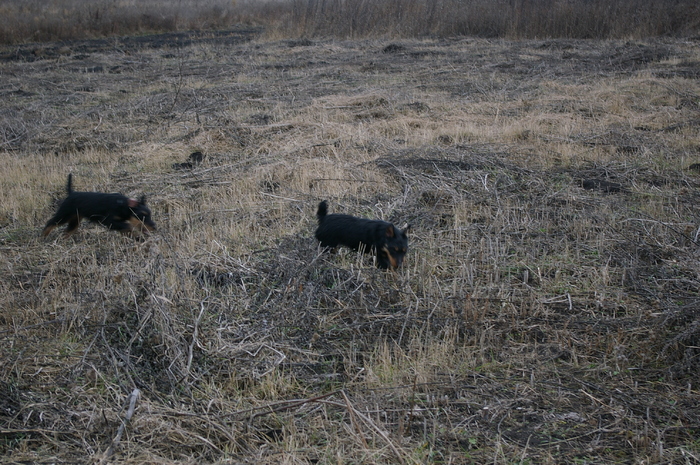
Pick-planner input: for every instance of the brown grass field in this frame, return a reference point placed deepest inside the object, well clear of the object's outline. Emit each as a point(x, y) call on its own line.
point(548, 310)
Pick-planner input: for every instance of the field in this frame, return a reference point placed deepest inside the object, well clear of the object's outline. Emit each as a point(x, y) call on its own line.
point(547, 310)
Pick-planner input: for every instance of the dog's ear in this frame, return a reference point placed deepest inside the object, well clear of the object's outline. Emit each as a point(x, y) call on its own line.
point(133, 203)
point(142, 200)
point(405, 230)
point(390, 231)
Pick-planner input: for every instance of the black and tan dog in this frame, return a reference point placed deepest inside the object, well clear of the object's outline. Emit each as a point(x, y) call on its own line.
point(384, 239)
point(115, 211)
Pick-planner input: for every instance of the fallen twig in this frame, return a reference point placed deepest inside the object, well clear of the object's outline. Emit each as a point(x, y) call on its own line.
point(129, 413)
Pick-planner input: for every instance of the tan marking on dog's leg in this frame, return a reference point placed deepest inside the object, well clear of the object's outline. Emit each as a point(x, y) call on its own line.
point(392, 260)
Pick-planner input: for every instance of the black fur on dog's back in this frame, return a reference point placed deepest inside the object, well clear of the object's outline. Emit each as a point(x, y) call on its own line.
point(114, 211)
point(388, 242)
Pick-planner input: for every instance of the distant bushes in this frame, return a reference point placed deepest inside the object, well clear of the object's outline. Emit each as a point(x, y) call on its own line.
point(45, 20)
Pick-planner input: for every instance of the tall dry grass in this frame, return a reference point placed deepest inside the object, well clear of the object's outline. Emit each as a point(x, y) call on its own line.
point(484, 18)
point(40, 21)
point(37, 21)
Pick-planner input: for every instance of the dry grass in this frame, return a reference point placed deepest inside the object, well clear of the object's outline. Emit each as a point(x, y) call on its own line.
point(547, 311)
point(44, 20)
point(23, 21)
point(488, 18)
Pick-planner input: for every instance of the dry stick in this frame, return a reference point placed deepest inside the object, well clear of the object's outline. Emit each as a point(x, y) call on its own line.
point(412, 403)
point(288, 405)
point(194, 338)
point(37, 325)
point(178, 87)
point(343, 179)
point(405, 322)
point(279, 197)
point(351, 411)
point(115, 442)
point(368, 421)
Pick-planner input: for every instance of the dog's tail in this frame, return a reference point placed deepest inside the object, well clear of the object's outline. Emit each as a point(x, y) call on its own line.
point(322, 211)
point(69, 185)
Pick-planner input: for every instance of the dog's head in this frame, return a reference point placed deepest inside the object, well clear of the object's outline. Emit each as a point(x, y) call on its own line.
point(393, 247)
point(141, 220)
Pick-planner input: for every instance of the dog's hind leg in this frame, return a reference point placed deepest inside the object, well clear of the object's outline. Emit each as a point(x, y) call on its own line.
point(47, 229)
point(58, 219)
point(73, 223)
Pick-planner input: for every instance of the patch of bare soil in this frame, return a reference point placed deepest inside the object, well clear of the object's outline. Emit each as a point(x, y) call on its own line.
point(547, 310)
point(81, 49)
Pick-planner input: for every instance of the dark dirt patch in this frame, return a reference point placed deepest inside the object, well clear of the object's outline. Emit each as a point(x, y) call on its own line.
point(602, 185)
point(394, 48)
point(83, 49)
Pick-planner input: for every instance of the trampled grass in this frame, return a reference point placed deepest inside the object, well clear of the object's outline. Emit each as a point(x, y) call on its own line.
point(546, 313)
